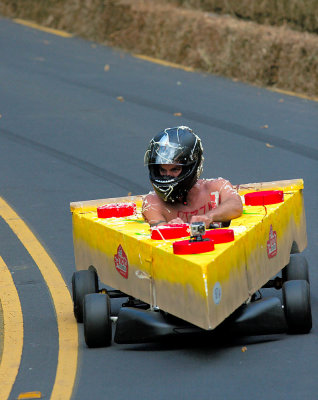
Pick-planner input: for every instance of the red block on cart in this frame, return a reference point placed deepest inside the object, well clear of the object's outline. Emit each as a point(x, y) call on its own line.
point(264, 197)
point(193, 246)
point(220, 235)
point(170, 231)
point(116, 210)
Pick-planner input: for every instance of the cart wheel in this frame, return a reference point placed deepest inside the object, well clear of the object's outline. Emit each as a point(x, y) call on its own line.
point(83, 282)
point(297, 269)
point(97, 322)
point(296, 300)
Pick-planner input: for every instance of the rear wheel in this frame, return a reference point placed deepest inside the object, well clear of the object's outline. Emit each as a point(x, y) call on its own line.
point(296, 269)
point(97, 322)
point(296, 300)
point(83, 283)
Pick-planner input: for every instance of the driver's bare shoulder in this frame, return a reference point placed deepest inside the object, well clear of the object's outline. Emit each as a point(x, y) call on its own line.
point(212, 185)
point(150, 200)
point(216, 184)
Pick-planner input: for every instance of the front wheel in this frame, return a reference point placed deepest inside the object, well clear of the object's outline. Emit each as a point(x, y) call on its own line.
point(296, 300)
point(83, 283)
point(97, 322)
point(296, 269)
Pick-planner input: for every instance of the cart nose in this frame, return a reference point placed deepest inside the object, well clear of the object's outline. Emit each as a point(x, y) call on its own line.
point(262, 317)
point(135, 325)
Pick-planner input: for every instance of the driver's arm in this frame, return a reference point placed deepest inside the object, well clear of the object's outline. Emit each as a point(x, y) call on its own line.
point(152, 210)
point(230, 205)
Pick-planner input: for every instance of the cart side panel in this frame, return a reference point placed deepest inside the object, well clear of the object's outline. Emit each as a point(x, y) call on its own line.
point(117, 258)
point(201, 288)
point(227, 282)
point(270, 242)
point(179, 284)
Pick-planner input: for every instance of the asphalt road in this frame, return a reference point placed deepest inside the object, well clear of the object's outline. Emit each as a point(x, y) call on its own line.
point(76, 118)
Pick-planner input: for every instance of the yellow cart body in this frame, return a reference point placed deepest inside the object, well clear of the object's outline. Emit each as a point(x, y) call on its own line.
point(203, 289)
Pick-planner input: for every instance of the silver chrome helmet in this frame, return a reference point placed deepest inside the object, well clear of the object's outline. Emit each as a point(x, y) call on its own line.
point(180, 146)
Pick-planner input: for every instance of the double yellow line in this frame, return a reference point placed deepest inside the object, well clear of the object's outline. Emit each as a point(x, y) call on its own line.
point(13, 331)
point(12, 314)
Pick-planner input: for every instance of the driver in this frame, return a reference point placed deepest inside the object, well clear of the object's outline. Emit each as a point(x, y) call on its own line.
point(175, 161)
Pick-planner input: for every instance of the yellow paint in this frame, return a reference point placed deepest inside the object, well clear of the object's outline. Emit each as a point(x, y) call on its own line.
point(189, 69)
point(185, 284)
point(294, 94)
point(30, 395)
point(67, 326)
point(13, 332)
point(164, 63)
point(151, 59)
point(33, 25)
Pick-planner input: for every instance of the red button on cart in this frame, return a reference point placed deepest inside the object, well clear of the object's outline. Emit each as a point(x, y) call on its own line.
point(220, 235)
point(170, 231)
point(116, 210)
point(264, 197)
point(193, 247)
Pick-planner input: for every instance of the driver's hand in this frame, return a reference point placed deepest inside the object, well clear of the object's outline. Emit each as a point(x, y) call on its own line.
point(176, 221)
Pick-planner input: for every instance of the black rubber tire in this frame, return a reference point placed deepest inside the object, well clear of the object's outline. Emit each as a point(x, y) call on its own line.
point(83, 283)
point(297, 269)
point(97, 322)
point(296, 300)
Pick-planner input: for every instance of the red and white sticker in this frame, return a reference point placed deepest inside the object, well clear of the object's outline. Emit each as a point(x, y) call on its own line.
point(214, 199)
point(121, 262)
point(272, 243)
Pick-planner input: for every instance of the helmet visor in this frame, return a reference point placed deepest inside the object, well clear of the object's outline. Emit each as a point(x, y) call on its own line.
point(166, 152)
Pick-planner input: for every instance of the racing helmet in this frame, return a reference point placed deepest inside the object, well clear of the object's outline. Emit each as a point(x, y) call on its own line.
point(180, 146)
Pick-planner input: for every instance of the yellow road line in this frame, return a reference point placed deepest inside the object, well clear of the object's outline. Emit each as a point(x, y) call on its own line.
point(43, 28)
point(189, 69)
point(153, 59)
point(290, 93)
point(13, 331)
point(164, 63)
point(30, 395)
point(67, 326)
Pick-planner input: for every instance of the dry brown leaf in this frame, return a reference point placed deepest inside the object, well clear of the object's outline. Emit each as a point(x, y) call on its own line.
point(244, 349)
point(177, 114)
point(120, 98)
point(270, 146)
point(264, 127)
point(106, 68)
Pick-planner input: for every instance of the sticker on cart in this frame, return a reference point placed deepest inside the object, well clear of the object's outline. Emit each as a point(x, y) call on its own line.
point(217, 293)
point(121, 262)
point(272, 243)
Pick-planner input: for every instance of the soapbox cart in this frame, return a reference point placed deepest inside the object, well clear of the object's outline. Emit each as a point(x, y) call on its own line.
point(171, 284)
